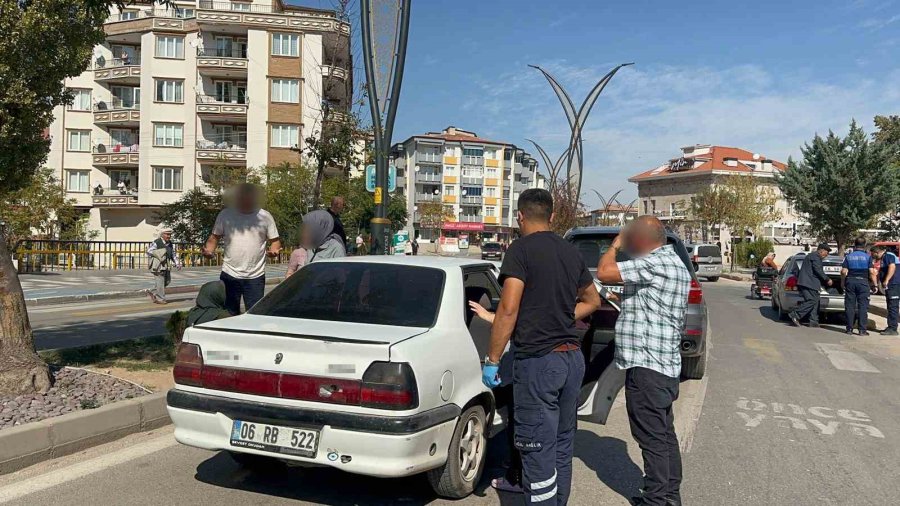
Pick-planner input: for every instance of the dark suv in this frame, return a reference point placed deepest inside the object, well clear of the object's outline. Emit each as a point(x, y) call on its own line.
point(491, 251)
point(592, 242)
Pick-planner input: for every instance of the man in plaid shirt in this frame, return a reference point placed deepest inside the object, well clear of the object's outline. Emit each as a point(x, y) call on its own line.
point(648, 336)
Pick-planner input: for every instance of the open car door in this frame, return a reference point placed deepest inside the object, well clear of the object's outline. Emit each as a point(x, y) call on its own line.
point(602, 380)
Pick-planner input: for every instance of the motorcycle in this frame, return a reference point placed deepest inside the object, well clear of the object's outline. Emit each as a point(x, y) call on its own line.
point(763, 279)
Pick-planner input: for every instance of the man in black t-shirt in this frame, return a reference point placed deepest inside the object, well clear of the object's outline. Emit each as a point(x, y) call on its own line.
point(546, 288)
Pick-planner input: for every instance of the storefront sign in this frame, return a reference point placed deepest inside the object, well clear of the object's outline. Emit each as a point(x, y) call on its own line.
point(463, 225)
point(681, 164)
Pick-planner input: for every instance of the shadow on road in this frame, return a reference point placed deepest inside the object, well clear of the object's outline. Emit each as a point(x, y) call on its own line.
point(608, 457)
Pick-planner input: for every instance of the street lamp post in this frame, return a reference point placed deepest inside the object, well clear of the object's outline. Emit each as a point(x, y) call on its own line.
point(383, 80)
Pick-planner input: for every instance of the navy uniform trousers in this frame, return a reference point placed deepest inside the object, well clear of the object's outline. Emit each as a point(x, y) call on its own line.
point(856, 302)
point(545, 392)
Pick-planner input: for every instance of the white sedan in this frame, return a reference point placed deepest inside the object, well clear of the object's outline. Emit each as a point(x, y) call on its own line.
point(370, 364)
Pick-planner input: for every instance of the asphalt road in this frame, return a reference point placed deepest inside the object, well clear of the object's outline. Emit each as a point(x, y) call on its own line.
point(790, 417)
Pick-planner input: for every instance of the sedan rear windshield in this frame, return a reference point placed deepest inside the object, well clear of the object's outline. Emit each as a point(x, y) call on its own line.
point(372, 293)
point(490, 246)
point(708, 251)
point(592, 247)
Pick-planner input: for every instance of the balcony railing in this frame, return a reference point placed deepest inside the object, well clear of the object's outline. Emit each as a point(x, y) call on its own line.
point(111, 63)
point(116, 104)
point(434, 177)
point(234, 99)
point(234, 52)
point(118, 144)
point(471, 218)
point(236, 7)
point(428, 197)
point(223, 142)
point(470, 199)
point(152, 13)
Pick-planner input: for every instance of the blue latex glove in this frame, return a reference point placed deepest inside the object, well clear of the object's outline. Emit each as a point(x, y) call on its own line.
point(490, 375)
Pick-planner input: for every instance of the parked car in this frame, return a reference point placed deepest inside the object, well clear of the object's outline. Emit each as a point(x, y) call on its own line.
point(786, 297)
point(706, 260)
point(592, 242)
point(371, 365)
point(491, 251)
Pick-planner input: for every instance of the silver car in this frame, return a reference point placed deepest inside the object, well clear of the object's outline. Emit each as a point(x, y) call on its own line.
point(706, 259)
point(786, 297)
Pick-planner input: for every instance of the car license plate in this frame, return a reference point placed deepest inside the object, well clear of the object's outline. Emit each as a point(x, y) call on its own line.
point(614, 288)
point(276, 439)
point(832, 269)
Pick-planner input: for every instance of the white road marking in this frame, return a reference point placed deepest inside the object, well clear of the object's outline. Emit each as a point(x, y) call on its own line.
point(151, 313)
point(60, 476)
point(843, 359)
point(750, 414)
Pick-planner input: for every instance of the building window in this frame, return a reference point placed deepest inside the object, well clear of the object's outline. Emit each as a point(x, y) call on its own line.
point(449, 190)
point(506, 193)
point(286, 90)
point(472, 155)
point(168, 135)
point(240, 6)
point(77, 181)
point(79, 140)
point(81, 100)
point(285, 44)
point(169, 46)
point(673, 209)
point(490, 172)
point(653, 206)
point(490, 191)
point(183, 13)
point(472, 191)
point(167, 178)
point(127, 15)
point(285, 136)
point(169, 91)
point(490, 211)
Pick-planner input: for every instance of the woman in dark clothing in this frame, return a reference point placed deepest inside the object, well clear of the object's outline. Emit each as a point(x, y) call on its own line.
point(210, 304)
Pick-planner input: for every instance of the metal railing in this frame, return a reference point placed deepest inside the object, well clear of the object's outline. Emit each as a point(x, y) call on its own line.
point(50, 255)
point(118, 144)
point(116, 103)
point(152, 13)
point(236, 7)
point(234, 52)
point(104, 63)
point(471, 218)
point(470, 199)
point(232, 99)
point(429, 176)
point(427, 197)
point(235, 141)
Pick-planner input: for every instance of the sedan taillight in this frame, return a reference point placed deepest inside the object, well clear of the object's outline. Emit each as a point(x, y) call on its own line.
point(188, 368)
point(791, 283)
point(695, 295)
point(389, 385)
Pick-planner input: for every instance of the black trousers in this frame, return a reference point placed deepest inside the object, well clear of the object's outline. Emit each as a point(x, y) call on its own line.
point(648, 398)
point(809, 306)
point(250, 289)
point(856, 302)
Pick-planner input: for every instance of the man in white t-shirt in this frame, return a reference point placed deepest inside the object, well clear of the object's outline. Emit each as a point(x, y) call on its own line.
point(245, 229)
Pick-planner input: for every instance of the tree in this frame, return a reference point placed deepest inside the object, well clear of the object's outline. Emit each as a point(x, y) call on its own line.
point(842, 184)
point(888, 129)
point(41, 207)
point(289, 196)
point(192, 216)
point(360, 204)
point(752, 205)
point(32, 71)
point(566, 207)
point(711, 207)
point(889, 134)
point(432, 216)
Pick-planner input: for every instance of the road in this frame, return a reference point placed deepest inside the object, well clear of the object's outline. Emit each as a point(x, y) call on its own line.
point(790, 417)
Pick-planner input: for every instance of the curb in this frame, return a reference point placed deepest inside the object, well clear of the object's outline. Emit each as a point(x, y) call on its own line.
point(734, 277)
point(89, 297)
point(35, 442)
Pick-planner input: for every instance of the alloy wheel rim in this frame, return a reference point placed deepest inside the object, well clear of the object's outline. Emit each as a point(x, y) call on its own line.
point(471, 446)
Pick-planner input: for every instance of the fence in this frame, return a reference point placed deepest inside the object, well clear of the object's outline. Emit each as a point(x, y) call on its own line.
point(53, 256)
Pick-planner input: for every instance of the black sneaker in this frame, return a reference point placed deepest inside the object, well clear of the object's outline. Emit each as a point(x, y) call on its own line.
point(813, 325)
point(889, 332)
point(849, 332)
point(863, 333)
point(794, 320)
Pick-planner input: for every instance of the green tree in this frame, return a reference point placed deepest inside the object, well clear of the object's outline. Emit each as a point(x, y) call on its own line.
point(360, 204)
point(32, 70)
point(288, 189)
point(888, 134)
point(711, 207)
point(842, 184)
point(432, 216)
point(192, 216)
point(752, 205)
point(40, 208)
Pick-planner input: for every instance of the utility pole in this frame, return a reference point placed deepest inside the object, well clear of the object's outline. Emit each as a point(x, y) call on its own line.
point(383, 80)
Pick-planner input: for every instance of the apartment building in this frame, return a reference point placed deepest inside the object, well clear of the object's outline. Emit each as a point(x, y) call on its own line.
point(478, 180)
point(666, 192)
point(175, 92)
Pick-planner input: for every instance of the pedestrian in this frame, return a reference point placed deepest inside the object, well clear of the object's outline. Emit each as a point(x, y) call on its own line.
point(809, 282)
point(296, 261)
point(855, 275)
point(407, 247)
point(121, 187)
point(320, 238)
point(245, 229)
point(415, 245)
point(889, 275)
point(210, 304)
point(359, 242)
point(337, 207)
point(363, 248)
point(648, 337)
point(769, 261)
point(162, 259)
point(546, 288)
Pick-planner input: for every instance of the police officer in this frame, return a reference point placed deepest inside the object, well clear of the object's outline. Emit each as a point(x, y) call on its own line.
point(888, 265)
point(855, 276)
point(546, 288)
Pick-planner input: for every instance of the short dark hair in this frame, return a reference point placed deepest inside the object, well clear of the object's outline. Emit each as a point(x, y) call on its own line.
point(536, 204)
point(879, 247)
point(860, 242)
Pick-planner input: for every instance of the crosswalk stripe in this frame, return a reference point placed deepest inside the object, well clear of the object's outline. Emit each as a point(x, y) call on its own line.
point(843, 359)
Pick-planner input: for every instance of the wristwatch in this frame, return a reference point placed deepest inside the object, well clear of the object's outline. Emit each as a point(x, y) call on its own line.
point(488, 361)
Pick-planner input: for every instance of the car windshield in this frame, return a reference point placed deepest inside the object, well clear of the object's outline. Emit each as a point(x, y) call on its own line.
point(593, 246)
point(372, 293)
point(490, 246)
point(708, 251)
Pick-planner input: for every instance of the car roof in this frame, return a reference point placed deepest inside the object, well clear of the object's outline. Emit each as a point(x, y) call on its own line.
point(435, 262)
point(608, 231)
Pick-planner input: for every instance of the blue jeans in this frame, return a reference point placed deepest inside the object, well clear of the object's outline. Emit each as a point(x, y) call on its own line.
point(250, 289)
point(892, 294)
point(545, 393)
point(856, 302)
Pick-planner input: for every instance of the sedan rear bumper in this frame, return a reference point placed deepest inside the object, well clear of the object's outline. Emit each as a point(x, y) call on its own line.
point(374, 446)
point(827, 303)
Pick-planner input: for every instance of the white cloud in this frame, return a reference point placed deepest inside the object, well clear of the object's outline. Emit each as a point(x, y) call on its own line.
point(647, 113)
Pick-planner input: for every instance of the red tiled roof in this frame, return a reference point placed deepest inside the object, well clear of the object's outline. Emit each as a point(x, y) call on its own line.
point(462, 138)
point(708, 162)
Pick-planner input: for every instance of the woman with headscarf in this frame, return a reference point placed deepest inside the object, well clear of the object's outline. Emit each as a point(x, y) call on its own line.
point(319, 237)
point(210, 304)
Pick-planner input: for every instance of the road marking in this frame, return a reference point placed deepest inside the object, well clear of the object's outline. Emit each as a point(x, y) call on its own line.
point(843, 359)
point(764, 348)
point(754, 412)
point(60, 476)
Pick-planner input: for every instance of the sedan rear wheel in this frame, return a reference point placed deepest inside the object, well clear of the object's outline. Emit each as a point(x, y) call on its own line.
point(465, 459)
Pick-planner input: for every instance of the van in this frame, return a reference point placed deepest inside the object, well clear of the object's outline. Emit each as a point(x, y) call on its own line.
point(706, 260)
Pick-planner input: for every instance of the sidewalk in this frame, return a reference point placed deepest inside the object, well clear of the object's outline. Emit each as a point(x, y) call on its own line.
point(76, 286)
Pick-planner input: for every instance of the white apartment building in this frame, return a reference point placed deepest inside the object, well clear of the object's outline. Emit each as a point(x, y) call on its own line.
point(173, 93)
point(478, 180)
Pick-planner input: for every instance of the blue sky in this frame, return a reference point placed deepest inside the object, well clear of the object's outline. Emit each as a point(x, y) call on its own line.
point(762, 75)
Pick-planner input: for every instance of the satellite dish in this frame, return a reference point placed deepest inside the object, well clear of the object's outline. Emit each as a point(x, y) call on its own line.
point(417, 168)
point(756, 156)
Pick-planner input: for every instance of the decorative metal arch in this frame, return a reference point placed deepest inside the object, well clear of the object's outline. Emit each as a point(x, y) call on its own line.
point(577, 120)
point(552, 168)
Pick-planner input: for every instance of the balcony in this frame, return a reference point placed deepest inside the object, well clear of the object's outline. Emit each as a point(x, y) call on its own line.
point(118, 151)
point(472, 179)
point(227, 149)
point(231, 62)
point(218, 13)
point(471, 199)
point(427, 197)
point(117, 113)
point(118, 70)
point(470, 218)
point(329, 71)
point(222, 107)
point(429, 177)
point(115, 200)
